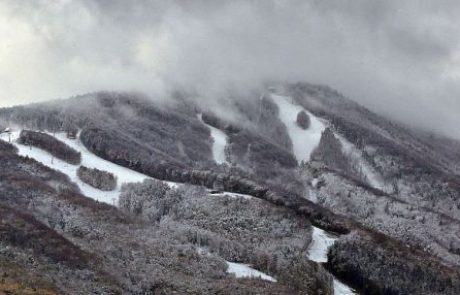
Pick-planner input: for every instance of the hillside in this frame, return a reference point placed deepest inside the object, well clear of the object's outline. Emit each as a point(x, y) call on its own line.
point(287, 169)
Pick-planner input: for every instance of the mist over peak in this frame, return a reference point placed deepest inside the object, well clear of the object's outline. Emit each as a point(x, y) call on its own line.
point(399, 59)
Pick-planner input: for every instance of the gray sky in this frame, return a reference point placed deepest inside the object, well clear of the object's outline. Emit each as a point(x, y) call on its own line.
point(399, 58)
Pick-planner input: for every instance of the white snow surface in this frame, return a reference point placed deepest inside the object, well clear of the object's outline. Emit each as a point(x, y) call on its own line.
point(219, 142)
point(90, 160)
point(312, 195)
point(321, 241)
point(303, 141)
point(314, 182)
point(240, 270)
point(245, 271)
point(233, 195)
point(342, 289)
point(124, 175)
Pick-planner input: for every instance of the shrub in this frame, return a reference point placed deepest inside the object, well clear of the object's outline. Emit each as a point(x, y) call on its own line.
point(103, 180)
point(375, 264)
point(303, 120)
point(151, 198)
point(50, 144)
point(329, 152)
point(7, 147)
point(23, 230)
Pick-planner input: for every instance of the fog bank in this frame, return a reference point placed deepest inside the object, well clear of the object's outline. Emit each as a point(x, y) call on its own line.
point(399, 58)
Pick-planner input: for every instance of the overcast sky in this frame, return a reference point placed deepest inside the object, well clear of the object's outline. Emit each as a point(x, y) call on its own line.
point(399, 58)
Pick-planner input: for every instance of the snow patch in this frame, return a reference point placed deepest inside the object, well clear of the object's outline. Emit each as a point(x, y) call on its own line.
point(232, 195)
point(342, 289)
point(321, 241)
point(220, 140)
point(314, 182)
point(303, 141)
point(312, 191)
point(245, 271)
point(240, 270)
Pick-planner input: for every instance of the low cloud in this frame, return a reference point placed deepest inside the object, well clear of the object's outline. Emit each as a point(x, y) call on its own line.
point(399, 58)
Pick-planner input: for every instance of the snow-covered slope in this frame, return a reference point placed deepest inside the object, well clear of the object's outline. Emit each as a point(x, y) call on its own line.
point(240, 270)
point(368, 172)
point(245, 271)
point(124, 175)
point(321, 241)
point(342, 289)
point(219, 142)
point(90, 160)
point(232, 195)
point(303, 141)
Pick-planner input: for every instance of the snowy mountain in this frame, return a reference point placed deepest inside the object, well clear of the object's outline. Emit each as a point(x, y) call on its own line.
point(296, 189)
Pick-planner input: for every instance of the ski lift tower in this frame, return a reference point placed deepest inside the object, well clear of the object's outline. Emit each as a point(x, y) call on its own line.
point(7, 131)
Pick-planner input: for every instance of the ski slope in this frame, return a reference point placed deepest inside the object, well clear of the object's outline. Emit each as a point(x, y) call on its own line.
point(321, 241)
point(239, 270)
point(368, 172)
point(219, 142)
point(245, 271)
point(342, 289)
point(90, 160)
point(303, 141)
point(124, 175)
point(232, 195)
